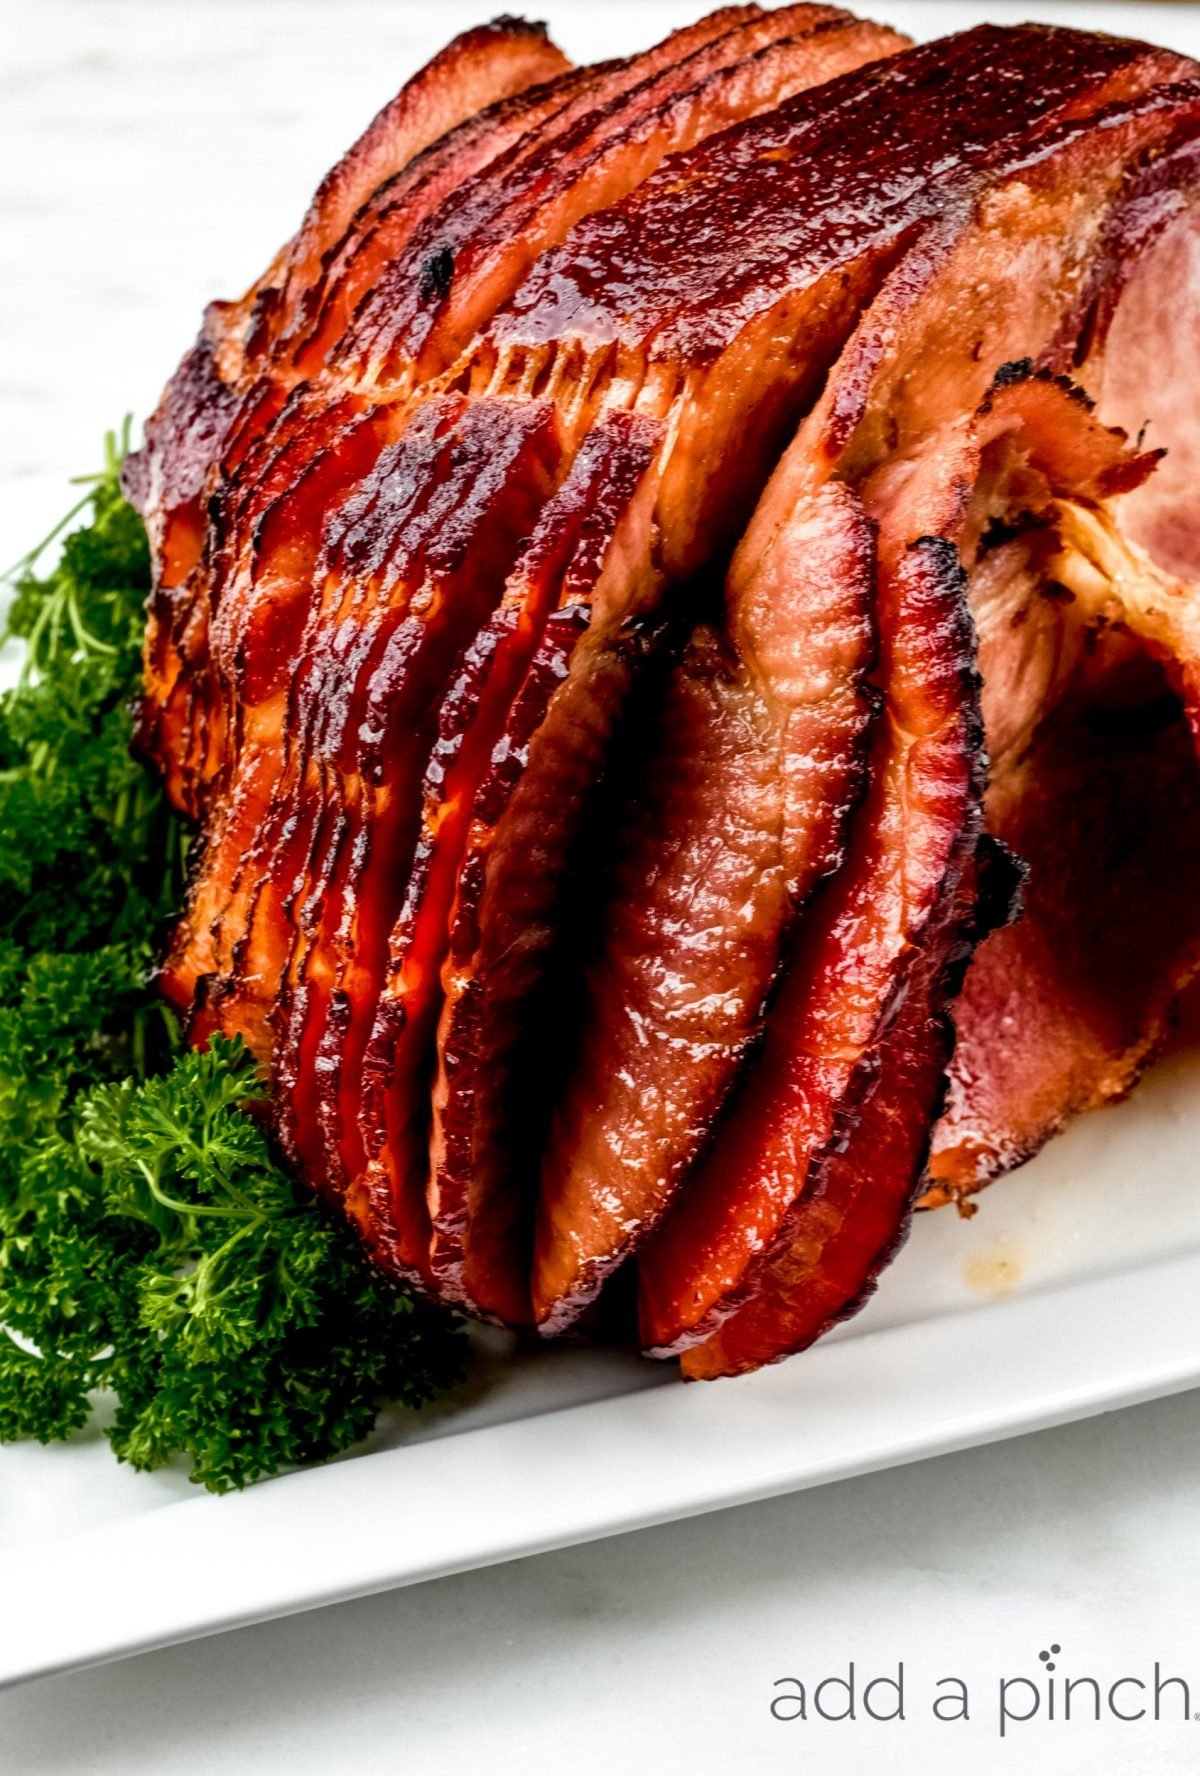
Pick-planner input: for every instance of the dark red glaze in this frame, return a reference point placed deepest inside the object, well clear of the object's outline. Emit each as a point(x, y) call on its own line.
point(433, 573)
point(419, 276)
point(481, 70)
point(723, 234)
point(838, 1236)
point(469, 256)
point(384, 225)
point(228, 385)
point(853, 957)
point(252, 662)
point(250, 612)
point(447, 941)
point(739, 811)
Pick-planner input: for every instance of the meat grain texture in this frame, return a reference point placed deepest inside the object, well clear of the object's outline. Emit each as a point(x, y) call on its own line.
point(639, 581)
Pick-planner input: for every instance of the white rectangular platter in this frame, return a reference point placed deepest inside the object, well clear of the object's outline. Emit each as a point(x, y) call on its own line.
point(1074, 1290)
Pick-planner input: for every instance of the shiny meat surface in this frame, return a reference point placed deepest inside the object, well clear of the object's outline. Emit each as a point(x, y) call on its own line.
point(575, 563)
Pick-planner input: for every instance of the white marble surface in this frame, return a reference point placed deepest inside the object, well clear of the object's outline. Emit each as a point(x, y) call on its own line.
point(151, 155)
point(656, 1653)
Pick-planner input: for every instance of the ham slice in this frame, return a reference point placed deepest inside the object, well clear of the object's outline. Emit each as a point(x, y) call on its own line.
point(1033, 439)
point(759, 759)
point(836, 1240)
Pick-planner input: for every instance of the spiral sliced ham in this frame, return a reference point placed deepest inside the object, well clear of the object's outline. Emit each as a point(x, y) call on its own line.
point(577, 559)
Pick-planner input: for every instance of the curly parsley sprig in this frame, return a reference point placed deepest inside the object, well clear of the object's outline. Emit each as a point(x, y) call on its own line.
point(150, 1245)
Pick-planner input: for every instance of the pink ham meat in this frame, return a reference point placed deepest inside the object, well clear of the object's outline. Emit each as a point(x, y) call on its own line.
point(1065, 1011)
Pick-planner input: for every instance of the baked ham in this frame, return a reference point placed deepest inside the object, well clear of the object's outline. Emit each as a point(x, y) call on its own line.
point(594, 568)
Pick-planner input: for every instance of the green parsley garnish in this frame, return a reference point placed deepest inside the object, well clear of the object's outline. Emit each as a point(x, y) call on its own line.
point(150, 1246)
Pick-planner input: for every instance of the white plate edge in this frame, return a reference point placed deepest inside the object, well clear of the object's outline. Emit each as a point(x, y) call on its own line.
point(431, 1509)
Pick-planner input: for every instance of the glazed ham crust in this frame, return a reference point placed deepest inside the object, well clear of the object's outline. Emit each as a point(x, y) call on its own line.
point(593, 566)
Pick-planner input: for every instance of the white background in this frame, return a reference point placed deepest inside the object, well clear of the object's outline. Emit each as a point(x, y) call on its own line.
point(152, 156)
